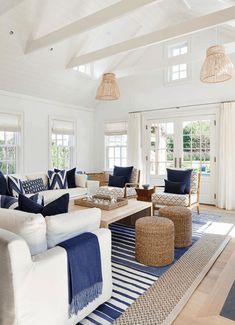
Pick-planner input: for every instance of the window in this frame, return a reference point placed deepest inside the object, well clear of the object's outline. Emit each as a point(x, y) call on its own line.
point(9, 143)
point(115, 145)
point(179, 49)
point(85, 68)
point(62, 144)
point(178, 72)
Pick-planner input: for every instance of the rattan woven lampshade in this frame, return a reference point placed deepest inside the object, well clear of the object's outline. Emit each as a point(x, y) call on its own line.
point(108, 88)
point(217, 66)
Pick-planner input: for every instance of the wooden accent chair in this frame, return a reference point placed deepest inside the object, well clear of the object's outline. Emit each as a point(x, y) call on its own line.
point(128, 191)
point(160, 198)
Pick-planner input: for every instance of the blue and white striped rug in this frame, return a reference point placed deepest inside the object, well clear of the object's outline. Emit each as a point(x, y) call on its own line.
point(130, 278)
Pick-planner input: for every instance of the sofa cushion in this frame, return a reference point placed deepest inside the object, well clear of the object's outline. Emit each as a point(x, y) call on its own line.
point(180, 175)
point(174, 187)
point(14, 186)
point(116, 192)
point(3, 185)
point(55, 207)
point(31, 227)
point(123, 171)
point(80, 180)
point(173, 199)
point(43, 176)
point(116, 181)
point(57, 180)
point(70, 174)
point(51, 195)
point(33, 186)
point(66, 226)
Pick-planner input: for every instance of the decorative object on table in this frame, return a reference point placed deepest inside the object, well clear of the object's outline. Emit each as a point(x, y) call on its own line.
point(154, 241)
point(102, 202)
point(182, 219)
point(217, 66)
point(192, 189)
point(145, 186)
point(144, 194)
point(108, 89)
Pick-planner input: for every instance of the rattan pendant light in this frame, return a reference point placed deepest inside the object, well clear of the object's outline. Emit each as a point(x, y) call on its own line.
point(217, 66)
point(108, 88)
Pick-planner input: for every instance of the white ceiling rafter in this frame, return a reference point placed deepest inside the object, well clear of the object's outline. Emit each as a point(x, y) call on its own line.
point(187, 27)
point(85, 24)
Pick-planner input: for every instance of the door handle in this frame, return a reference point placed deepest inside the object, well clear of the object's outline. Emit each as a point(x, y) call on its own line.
point(175, 163)
point(180, 162)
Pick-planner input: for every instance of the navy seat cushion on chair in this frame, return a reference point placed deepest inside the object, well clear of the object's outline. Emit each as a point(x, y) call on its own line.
point(58, 206)
point(182, 176)
point(174, 187)
point(116, 181)
point(70, 175)
point(3, 185)
point(123, 171)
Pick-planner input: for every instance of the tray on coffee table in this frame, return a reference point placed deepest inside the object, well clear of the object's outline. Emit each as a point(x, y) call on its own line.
point(102, 202)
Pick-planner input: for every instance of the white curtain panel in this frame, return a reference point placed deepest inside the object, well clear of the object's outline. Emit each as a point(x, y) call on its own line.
point(226, 163)
point(134, 147)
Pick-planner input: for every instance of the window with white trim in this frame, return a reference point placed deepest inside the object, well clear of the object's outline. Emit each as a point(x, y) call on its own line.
point(178, 69)
point(178, 72)
point(9, 143)
point(177, 49)
point(115, 145)
point(62, 144)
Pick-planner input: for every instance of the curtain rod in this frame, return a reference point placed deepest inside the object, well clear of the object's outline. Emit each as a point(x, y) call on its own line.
point(178, 107)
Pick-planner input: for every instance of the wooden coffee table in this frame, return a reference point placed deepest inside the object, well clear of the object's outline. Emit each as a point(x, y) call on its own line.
point(128, 214)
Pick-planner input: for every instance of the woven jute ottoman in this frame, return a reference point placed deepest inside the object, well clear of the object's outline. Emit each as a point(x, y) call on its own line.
point(182, 218)
point(154, 241)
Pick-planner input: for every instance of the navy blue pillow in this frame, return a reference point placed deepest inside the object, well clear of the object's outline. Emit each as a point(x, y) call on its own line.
point(70, 175)
point(58, 206)
point(174, 187)
point(3, 185)
point(123, 171)
point(182, 176)
point(117, 181)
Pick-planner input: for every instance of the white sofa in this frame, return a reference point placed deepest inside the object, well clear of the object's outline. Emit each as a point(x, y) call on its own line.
point(81, 189)
point(33, 277)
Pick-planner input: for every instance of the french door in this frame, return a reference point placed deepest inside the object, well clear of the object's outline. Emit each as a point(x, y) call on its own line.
point(183, 142)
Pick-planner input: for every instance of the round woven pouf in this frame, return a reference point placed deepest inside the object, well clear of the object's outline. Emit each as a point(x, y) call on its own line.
point(182, 218)
point(154, 241)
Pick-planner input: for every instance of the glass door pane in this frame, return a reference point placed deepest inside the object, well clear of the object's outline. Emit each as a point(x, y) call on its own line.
point(161, 148)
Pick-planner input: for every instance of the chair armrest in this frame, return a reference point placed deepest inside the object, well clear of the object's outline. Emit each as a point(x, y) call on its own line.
point(158, 186)
point(131, 184)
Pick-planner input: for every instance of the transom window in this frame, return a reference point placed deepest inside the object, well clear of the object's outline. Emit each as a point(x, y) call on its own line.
point(178, 49)
point(8, 151)
point(62, 144)
point(178, 72)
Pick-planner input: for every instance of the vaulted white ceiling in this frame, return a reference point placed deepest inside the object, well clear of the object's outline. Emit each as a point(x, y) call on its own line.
point(50, 36)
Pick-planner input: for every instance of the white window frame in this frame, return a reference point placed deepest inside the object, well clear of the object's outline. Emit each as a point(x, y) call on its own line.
point(178, 46)
point(73, 141)
point(18, 130)
point(178, 69)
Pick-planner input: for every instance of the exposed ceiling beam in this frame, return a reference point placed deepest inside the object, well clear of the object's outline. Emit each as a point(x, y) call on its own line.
point(171, 32)
point(85, 24)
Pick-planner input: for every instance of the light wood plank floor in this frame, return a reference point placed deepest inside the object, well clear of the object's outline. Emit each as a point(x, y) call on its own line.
point(205, 304)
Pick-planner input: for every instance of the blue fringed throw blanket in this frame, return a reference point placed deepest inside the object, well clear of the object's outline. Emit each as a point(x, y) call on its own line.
point(84, 270)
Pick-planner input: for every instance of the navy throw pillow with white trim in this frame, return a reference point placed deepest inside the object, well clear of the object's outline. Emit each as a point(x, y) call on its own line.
point(57, 180)
point(70, 174)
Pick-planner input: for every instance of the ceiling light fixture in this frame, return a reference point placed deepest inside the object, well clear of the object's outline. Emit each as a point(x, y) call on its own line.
point(108, 88)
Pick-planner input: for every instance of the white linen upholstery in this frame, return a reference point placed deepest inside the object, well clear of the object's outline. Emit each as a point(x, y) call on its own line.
point(173, 199)
point(31, 177)
point(80, 180)
point(115, 191)
point(68, 225)
point(34, 291)
point(31, 227)
point(51, 195)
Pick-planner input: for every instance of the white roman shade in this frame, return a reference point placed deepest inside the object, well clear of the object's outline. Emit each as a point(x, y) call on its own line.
point(63, 127)
point(115, 128)
point(10, 122)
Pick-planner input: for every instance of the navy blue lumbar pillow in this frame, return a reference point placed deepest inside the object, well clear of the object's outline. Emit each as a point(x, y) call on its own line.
point(174, 187)
point(58, 206)
point(123, 171)
point(70, 175)
point(3, 185)
point(117, 181)
point(182, 176)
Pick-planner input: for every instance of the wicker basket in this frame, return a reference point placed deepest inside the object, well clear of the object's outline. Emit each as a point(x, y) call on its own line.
point(85, 202)
point(182, 219)
point(154, 241)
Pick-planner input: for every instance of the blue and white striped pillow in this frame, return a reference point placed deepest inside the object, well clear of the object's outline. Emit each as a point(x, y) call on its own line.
point(57, 180)
point(9, 202)
point(15, 186)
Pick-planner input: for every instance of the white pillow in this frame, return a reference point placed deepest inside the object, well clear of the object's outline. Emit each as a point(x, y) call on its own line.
point(80, 180)
point(68, 225)
point(31, 227)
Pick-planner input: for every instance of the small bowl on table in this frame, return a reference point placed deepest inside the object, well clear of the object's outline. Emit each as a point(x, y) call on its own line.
point(145, 186)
